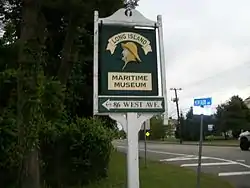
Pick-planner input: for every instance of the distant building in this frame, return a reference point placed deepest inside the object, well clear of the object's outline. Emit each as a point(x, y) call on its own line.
point(173, 122)
point(247, 102)
point(171, 127)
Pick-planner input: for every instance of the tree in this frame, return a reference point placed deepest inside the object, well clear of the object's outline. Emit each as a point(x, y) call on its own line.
point(191, 126)
point(51, 40)
point(65, 32)
point(157, 130)
point(30, 115)
point(233, 115)
point(190, 113)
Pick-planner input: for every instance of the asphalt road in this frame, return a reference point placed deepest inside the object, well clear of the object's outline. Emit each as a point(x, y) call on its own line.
point(229, 163)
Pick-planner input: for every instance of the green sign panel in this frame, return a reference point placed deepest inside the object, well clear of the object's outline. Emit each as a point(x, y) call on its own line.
point(127, 61)
point(131, 104)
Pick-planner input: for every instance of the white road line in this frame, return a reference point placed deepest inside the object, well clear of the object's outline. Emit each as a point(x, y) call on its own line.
point(180, 154)
point(164, 152)
point(183, 159)
point(208, 164)
point(234, 173)
point(241, 160)
point(159, 152)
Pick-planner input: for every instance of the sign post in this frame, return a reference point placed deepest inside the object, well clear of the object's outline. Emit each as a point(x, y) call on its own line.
point(145, 145)
point(146, 126)
point(126, 85)
point(201, 103)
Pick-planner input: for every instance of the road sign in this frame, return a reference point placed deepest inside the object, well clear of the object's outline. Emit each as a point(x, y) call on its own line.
point(124, 104)
point(210, 127)
point(126, 66)
point(147, 134)
point(203, 102)
point(125, 77)
point(128, 61)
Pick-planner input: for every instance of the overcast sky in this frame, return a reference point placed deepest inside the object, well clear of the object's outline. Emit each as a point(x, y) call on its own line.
point(207, 47)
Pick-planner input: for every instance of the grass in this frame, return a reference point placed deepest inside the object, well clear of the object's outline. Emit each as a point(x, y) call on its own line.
point(156, 174)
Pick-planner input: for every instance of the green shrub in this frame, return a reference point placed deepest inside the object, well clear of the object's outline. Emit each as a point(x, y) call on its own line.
point(77, 154)
point(9, 159)
point(70, 153)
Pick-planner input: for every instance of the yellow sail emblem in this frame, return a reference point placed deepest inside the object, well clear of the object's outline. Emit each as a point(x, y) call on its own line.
point(130, 53)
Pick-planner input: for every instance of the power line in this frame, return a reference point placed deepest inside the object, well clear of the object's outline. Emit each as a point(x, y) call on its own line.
point(221, 89)
point(192, 84)
point(183, 110)
point(218, 88)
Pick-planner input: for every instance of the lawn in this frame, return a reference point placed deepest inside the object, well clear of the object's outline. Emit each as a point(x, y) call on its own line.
point(156, 174)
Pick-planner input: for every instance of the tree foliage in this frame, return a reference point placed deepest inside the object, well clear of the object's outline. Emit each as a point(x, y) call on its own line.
point(233, 115)
point(191, 126)
point(46, 83)
point(65, 34)
point(157, 130)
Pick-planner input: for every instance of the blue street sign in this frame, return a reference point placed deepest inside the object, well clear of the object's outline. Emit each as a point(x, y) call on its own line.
point(203, 102)
point(210, 127)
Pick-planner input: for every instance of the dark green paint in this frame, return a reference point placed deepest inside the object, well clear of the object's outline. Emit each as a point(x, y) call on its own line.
point(114, 63)
point(102, 109)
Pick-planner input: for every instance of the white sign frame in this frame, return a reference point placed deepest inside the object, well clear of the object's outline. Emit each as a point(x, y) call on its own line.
point(131, 122)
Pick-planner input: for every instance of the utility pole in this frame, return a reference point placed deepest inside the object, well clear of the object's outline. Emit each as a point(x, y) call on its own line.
point(176, 100)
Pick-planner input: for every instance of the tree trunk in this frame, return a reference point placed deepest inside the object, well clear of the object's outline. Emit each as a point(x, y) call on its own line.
point(30, 177)
point(68, 56)
point(29, 172)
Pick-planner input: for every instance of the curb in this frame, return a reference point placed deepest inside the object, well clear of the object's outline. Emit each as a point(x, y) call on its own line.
point(204, 144)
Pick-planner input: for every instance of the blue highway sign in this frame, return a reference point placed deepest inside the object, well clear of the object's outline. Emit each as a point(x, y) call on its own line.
point(203, 102)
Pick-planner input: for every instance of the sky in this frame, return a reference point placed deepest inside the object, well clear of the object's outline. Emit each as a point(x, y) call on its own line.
point(207, 48)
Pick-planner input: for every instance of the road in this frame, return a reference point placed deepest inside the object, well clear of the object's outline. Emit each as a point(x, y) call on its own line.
point(229, 163)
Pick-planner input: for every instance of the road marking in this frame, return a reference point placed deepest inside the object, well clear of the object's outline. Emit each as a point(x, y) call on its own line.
point(153, 151)
point(183, 159)
point(180, 154)
point(159, 152)
point(243, 161)
point(234, 173)
point(164, 152)
point(208, 164)
point(215, 158)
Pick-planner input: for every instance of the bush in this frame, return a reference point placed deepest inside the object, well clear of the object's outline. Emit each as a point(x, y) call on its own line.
point(9, 158)
point(122, 134)
point(70, 153)
point(76, 154)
